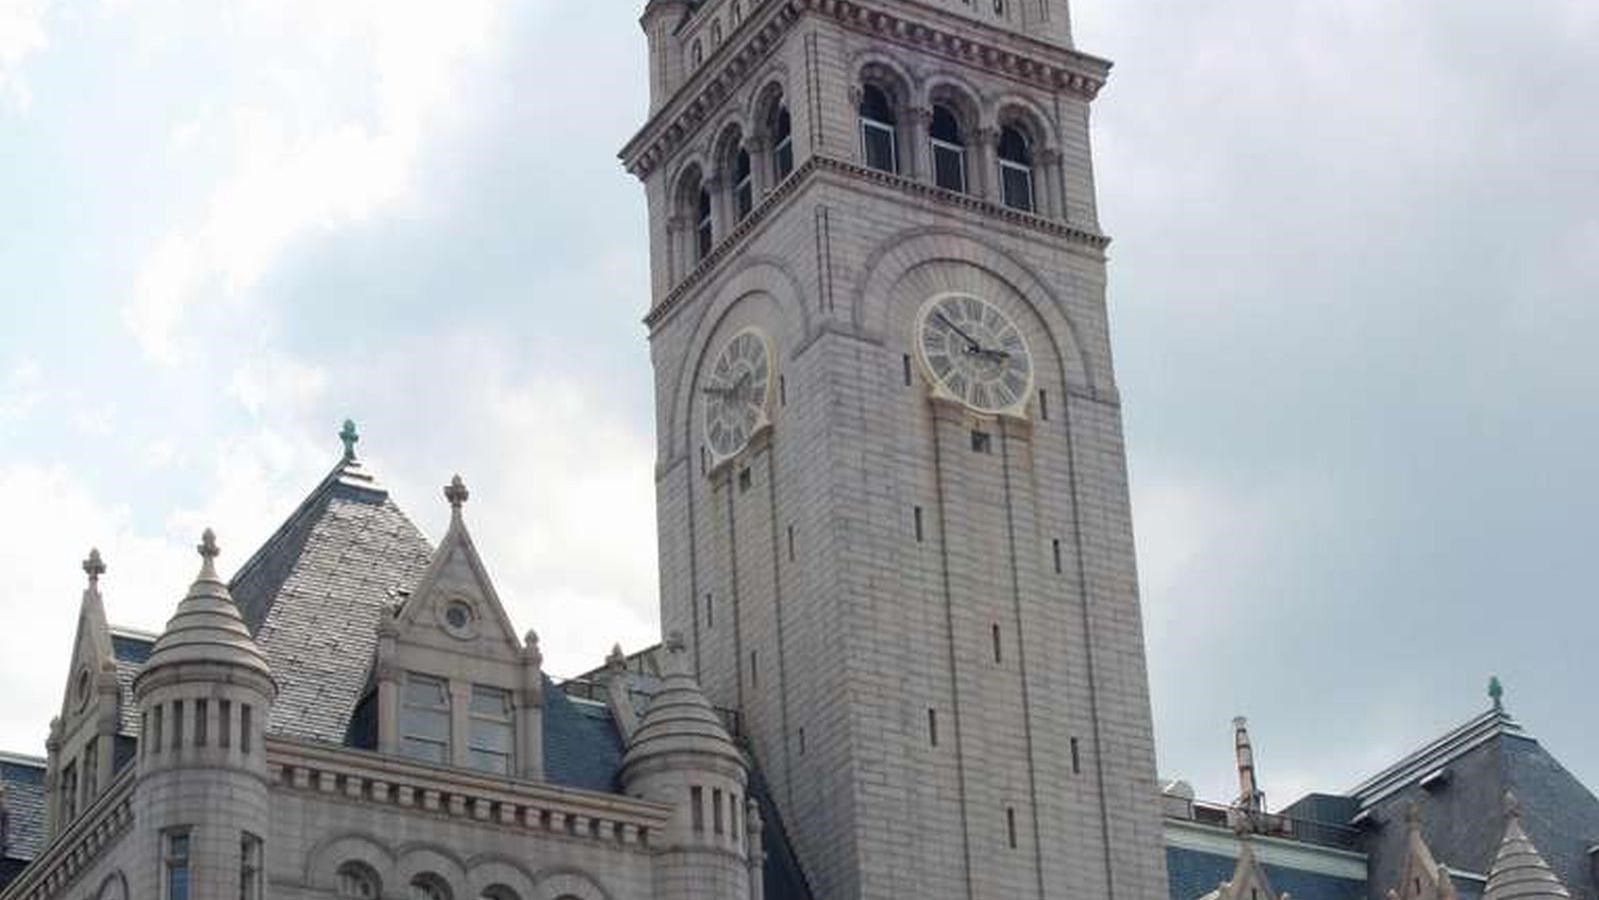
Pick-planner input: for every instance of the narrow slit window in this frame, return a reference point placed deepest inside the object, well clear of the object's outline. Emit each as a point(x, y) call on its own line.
point(917, 515)
point(155, 731)
point(932, 727)
point(224, 724)
point(1054, 550)
point(791, 543)
point(1010, 825)
point(782, 391)
point(755, 671)
point(710, 612)
point(696, 800)
point(716, 811)
point(906, 360)
point(1077, 758)
point(999, 656)
point(177, 724)
point(1043, 404)
point(246, 728)
point(202, 727)
point(802, 742)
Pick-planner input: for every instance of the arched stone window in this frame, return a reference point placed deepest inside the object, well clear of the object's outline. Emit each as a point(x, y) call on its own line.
point(781, 126)
point(879, 141)
point(1016, 169)
point(428, 886)
point(949, 149)
point(356, 879)
point(694, 212)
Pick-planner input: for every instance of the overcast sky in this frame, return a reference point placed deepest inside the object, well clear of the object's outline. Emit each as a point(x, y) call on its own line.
point(1353, 297)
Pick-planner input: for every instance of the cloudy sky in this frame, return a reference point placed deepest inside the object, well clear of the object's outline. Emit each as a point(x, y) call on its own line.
point(1357, 251)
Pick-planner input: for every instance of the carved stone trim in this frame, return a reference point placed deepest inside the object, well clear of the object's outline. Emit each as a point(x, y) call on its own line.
point(728, 245)
point(1074, 72)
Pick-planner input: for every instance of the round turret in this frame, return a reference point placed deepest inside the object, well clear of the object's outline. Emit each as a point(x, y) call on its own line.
point(204, 697)
point(682, 756)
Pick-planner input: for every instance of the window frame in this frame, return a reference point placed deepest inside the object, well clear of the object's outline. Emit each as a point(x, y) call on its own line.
point(409, 737)
point(882, 128)
point(252, 859)
point(945, 146)
point(173, 863)
point(1026, 169)
point(782, 126)
point(743, 168)
point(507, 721)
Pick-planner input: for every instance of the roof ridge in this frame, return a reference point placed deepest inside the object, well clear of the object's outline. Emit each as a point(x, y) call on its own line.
point(23, 759)
point(1449, 746)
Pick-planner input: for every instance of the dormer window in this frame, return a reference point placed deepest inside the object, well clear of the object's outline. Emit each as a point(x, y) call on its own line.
point(491, 730)
point(425, 719)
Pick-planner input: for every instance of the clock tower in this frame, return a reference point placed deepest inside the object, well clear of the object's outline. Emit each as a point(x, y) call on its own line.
point(892, 492)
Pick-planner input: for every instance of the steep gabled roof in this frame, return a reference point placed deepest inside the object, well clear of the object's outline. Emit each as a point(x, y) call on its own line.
point(313, 593)
point(22, 778)
point(1437, 754)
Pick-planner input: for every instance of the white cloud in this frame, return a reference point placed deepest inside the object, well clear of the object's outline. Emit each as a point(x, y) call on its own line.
point(291, 171)
point(22, 35)
point(21, 389)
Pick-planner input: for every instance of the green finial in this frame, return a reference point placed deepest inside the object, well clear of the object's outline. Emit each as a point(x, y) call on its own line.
point(1496, 693)
point(348, 435)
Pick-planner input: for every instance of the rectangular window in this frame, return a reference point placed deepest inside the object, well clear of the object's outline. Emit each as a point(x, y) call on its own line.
point(917, 515)
point(696, 802)
point(732, 815)
point(249, 867)
point(905, 363)
point(177, 865)
point(1010, 825)
point(744, 480)
point(425, 718)
point(710, 612)
point(1043, 404)
point(69, 792)
point(802, 742)
point(716, 810)
point(246, 728)
point(202, 728)
point(1054, 549)
point(154, 735)
point(877, 139)
point(949, 165)
point(982, 442)
point(177, 724)
point(999, 656)
point(932, 727)
point(224, 724)
point(1017, 183)
point(791, 543)
point(782, 391)
point(492, 730)
point(755, 672)
point(91, 771)
point(1077, 758)
point(144, 729)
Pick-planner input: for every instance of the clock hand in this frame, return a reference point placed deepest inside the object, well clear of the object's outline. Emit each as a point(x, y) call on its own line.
point(971, 342)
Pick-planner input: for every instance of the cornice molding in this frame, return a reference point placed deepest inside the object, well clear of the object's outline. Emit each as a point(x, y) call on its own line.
point(1092, 241)
point(1069, 70)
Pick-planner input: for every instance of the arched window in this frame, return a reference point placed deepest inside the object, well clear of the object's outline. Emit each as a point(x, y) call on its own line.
point(1016, 169)
point(428, 886)
point(878, 144)
point(743, 183)
point(716, 33)
point(949, 150)
point(500, 892)
point(738, 12)
point(697, 55)
point(702, 225)
point(358, 880)
point(782, 128)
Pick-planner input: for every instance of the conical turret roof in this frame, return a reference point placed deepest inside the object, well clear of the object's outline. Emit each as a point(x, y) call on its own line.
point(679, 719)
point(207, 627)
point(1519, 871)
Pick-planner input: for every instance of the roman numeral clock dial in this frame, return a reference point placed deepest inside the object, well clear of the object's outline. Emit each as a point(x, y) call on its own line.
point(737, 392)
point(974, 354)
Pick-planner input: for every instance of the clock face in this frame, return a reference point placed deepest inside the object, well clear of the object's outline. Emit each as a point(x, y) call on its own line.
point(737, 393)
point(974, 353)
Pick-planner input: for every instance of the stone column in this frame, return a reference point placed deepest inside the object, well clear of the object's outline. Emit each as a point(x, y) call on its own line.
point(760, 150)
point(722, 219)
point(679, 249)
point(985, 150)
point(530, 712)
point(1049, 193)
point(914, 135)
point(388, 686)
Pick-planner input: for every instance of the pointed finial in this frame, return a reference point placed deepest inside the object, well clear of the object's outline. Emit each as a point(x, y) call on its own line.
point(456, 493)
point(208, 554)
point(94, 567)
point(617, 660)
point(349, 436)
point(1496, 693)
point(1512, 806)
point(675, 642)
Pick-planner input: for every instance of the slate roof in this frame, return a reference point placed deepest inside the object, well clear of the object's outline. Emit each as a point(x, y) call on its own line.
point(313, 593)
point(23, 777)
point(1194, 874)
point(582, 747)
point(131, 649)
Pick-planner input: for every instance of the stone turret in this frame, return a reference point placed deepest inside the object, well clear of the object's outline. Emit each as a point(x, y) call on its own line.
point(204, 698)
point(1519, 870)
point(660, 23)
point(681, 755)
